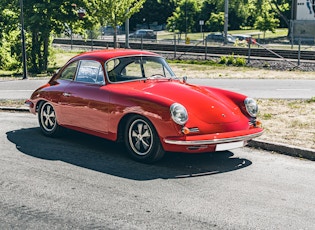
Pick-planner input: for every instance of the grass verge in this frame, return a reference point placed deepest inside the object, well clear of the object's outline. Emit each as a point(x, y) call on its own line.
point(288, 121)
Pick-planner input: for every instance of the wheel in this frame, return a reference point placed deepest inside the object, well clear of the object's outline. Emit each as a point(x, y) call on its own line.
point(47, 120)
point(142, 140)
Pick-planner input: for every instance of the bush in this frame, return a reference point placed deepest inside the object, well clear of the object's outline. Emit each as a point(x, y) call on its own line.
point(223, 60)
point(9, 60)
point(240, 61)
point(231, 60)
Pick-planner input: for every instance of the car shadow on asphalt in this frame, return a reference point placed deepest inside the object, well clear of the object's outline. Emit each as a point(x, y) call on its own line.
point(111, 158)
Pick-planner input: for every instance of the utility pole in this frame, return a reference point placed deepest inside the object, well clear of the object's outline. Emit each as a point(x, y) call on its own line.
point(185, 20)
point(226, 20)
point(23, 42)
point(127, 32)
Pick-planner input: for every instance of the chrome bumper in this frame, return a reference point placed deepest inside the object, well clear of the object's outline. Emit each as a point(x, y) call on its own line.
point(214, 141)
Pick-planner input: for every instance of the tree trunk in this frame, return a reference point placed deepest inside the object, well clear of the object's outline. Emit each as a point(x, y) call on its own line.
point(34, 52)
point(115, 37)
point(46, 52)
point(115, 34)
point(39, 52)
point(39, 55)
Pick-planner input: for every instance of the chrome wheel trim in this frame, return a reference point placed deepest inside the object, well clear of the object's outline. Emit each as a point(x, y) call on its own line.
point(48, 117)
point(140, 137)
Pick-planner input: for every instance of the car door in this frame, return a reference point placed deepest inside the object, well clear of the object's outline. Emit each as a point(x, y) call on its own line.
point(85, 100)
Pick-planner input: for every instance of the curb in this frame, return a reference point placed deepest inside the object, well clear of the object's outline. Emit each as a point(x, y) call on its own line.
point(20, 109)
point(285, 149)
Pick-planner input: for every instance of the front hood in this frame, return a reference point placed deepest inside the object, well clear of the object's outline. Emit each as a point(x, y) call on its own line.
point(204, 104)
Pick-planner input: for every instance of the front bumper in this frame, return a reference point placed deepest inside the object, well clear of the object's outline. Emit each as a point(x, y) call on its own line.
point(211, 142)
point(31, 106)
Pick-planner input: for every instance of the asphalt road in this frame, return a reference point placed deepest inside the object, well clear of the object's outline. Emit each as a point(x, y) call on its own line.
point(83, 182)
point(256, 88)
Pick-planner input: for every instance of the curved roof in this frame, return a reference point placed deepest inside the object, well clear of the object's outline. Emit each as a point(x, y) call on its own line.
point(105, 54)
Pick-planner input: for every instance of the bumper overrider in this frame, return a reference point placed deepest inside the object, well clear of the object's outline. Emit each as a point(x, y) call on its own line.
point(212, 142)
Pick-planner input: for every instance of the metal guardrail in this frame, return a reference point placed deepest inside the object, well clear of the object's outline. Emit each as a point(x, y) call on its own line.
point(201, 49)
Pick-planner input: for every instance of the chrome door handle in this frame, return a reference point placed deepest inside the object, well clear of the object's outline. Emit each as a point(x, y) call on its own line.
point(66, 94)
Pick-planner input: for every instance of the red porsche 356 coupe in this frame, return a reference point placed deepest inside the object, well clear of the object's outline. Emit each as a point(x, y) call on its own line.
point(134, 97)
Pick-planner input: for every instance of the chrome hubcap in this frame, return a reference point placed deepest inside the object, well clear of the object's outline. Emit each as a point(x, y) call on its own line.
point(140, 137)
point(48, 117)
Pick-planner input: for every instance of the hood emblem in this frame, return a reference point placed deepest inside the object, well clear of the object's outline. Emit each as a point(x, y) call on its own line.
point(223, 115)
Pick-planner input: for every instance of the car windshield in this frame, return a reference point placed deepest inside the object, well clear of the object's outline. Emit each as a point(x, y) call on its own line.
point(138, 67)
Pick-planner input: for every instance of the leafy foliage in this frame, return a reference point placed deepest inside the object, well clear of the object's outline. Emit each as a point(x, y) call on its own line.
point(185, 17)
point(231, 60)
point(44, 18)
point(151, 13)
point(9, 57)
point(10, 54)
point(216, 22)
point(115, 13)
point(266, 20)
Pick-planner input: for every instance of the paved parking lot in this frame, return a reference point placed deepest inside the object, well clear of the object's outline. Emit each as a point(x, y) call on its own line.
point(83, 182)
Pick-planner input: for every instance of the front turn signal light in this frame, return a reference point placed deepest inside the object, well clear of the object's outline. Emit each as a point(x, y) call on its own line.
point(258, 124)
point(185, 130)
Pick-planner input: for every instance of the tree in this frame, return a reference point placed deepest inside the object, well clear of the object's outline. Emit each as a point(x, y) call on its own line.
point(46, 17)
point(216, 22)
point(151, 12)
point(42, 17)
point(240, 14)
point(283, 9)
point(115, 12)
point(185, 17)
point(10, 40)
point(266, 20)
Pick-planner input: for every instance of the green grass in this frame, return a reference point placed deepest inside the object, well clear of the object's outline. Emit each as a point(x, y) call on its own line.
point(224, 60)
point(280, 32)
point(193, 62)
point(312, 100)
point(266, 116)
point(60, 57)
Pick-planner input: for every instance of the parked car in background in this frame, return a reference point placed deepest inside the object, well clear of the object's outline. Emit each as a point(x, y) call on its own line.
point(143, 33)
point(245, 37)
point(133, 97)
point(108, 30)
point(219, 37)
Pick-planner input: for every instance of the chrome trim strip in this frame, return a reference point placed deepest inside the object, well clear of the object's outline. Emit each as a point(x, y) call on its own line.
point(214, 141)
point(193, 130)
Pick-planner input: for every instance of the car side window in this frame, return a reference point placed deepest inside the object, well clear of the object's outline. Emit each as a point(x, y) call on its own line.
point(90, 71)
point(69, 72)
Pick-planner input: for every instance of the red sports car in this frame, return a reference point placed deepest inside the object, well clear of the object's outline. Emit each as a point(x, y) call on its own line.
point(134, 97)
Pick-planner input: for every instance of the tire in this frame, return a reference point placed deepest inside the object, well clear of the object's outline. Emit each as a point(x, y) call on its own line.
point(142, 141)
point(48, 121)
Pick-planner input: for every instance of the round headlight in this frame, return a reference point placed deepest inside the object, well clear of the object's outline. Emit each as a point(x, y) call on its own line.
point(179, 113)
point(251, 107)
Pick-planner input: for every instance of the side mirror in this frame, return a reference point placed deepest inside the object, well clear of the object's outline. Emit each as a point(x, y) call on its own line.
point(184, 79)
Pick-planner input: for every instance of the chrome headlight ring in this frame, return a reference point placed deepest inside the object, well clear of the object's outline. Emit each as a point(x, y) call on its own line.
point(251, 106)
point(179, 113)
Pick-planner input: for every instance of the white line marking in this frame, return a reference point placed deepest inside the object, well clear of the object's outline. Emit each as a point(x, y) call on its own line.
point(294, 89)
